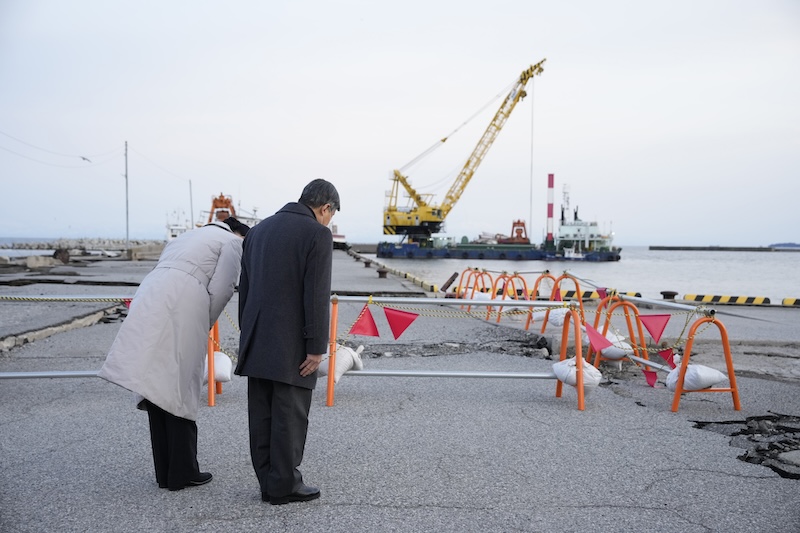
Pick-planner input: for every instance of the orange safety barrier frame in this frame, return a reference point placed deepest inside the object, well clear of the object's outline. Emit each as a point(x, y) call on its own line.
point(628, 306)
point(535, 293)
point(214, 387)
point(573, 314)
point(332, 351)
point(557, 287)
point(733, 389)
point(476, 277)
point(509, 288)
point(579, 362)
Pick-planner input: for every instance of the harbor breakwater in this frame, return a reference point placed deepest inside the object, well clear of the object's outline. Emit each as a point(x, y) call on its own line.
point(82, 244)
point(47, 253)
point(772, 248)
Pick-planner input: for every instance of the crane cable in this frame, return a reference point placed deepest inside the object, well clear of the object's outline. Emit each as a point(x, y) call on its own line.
point(438, 143)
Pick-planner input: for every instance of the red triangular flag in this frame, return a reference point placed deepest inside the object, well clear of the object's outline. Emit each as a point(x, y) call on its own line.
point(655, 324)
point(651, 377)
point(597, 341)
point(399, 320)
point(365, 325)
point(127, 302)
point(557, 297)
point(667, 356)
point(602, 293)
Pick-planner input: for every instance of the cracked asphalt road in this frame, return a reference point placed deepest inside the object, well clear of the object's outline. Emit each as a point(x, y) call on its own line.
point(406, 454)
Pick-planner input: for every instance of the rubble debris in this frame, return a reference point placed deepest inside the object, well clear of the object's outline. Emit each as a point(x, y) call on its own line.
point(770, 440)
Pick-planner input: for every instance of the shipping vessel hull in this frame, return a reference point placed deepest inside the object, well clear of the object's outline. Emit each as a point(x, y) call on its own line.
point(489, 251)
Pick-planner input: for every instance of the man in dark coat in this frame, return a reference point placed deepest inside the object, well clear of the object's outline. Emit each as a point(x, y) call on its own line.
point(284, 315)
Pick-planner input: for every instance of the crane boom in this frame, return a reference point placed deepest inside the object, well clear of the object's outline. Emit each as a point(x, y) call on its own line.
point(424, 219)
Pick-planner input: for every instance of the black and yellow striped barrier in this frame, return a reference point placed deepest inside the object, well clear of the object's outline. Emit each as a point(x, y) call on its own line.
point(429, 287)
point(565, 295)
point(791, 302)
point(736, 300)
point(587, 295)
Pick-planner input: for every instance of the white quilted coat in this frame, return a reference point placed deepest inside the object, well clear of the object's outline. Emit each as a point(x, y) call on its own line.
point(159, 350)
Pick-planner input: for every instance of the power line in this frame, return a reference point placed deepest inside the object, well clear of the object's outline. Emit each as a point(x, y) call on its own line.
point(157, 165)
point(84, 157)
point(444, 139)
point(91, 163)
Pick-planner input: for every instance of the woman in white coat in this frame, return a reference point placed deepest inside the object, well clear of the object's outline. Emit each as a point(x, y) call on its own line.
point(160, 348)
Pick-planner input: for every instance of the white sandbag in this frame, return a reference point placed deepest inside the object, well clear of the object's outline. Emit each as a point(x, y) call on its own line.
point(537, 316)
point(222, 367)
point(566, 372)
point(697, 377)
point(478, 295)
point(346, 359)
point(618, 351)
point(557, 315)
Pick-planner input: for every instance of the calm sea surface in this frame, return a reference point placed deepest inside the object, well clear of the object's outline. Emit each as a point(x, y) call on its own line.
point(775, 275)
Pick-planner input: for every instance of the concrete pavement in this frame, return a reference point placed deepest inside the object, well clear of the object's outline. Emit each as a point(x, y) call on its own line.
point(391, 454)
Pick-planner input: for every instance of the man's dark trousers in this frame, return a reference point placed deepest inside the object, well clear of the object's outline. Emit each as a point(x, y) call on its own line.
point(278, 418)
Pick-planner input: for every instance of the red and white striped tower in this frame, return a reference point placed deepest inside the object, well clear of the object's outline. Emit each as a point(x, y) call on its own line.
point(549, 240)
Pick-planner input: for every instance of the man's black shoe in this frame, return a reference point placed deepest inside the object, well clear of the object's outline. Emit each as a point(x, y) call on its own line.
point(201, 479)
point(303, 494)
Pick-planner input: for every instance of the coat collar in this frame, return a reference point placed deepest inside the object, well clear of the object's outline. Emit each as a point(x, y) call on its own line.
point(298, 208)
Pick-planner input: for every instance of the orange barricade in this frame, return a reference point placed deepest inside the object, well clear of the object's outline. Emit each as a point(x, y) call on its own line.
point(627, 306)
point(508, 288)
point(332, 350)
point(573, 314)
point(535, 293)
point(475, 282)
point(733, 389)
point(557, 287)
point(579, 362)
point(214, 388)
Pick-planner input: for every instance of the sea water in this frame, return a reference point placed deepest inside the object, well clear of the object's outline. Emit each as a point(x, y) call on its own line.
point(7, 251)
point(773, 275)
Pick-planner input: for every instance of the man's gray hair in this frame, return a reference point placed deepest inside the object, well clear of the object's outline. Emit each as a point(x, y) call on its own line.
point(320, 192)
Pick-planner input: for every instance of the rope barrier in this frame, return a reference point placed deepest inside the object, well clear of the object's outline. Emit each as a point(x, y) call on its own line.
point(85, 299)
point(384, 301)
point(524, 307)
point(446, 310)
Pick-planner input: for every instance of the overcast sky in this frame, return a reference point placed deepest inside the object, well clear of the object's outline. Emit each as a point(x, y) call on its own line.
point(671, 122)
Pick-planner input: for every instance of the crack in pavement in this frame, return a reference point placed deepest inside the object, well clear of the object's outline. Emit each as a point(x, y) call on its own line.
point(770, 440)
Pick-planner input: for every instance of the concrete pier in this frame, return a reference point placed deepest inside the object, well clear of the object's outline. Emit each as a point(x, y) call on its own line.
point(398, 453)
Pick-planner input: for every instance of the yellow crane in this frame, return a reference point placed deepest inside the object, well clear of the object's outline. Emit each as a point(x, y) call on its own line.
point(423, 218)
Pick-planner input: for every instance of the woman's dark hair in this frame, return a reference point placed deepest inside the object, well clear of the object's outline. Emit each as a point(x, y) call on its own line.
point(236, 226)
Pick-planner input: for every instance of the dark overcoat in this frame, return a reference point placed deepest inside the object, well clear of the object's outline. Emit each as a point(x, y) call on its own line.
point(284, 296)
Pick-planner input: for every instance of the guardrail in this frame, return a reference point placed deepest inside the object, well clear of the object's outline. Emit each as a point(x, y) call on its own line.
point(526, 304)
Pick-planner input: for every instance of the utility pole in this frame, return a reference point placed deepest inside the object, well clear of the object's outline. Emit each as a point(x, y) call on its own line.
point(127, 233)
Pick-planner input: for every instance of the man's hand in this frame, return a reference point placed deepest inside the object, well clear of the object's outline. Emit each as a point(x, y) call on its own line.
point(310, 365)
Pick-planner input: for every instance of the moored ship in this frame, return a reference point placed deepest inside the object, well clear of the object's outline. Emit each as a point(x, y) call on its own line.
point(420, 222)
point(576, 240)
point(221, 208)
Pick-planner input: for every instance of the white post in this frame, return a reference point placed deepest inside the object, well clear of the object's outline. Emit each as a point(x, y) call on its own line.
point(127, 232)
